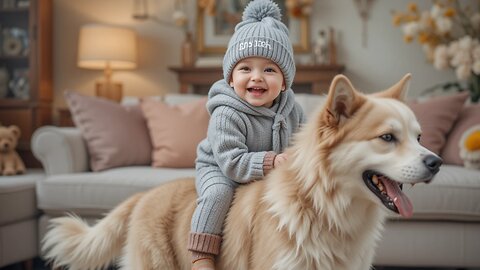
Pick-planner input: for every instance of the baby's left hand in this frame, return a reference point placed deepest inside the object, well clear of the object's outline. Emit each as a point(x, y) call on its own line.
point(280, 159)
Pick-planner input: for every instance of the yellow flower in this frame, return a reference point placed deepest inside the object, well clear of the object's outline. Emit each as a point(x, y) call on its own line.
point(412, 7)
point(431, 22)
point(397, 19)
point(407, 38)
point(423, 38)
point(412, 18)
point(450, 12)
point(472, 142)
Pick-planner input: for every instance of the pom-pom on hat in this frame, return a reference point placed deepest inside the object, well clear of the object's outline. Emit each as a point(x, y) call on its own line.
point(261, 33)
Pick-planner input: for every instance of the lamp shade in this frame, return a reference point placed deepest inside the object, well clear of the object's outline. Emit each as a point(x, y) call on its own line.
point(101, 46)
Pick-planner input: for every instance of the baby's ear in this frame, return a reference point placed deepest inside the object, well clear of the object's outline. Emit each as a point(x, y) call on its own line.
point(231, 83)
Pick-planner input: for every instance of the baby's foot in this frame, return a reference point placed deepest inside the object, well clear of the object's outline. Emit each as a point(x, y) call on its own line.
point(204, 264)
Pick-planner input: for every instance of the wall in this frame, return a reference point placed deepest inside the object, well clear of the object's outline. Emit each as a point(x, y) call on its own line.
point(158, 47)
point(384, 61)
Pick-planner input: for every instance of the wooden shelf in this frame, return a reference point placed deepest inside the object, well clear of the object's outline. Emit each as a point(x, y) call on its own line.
point(29, 114)
point(13, 57)
point(314, 79)
point(14, 10)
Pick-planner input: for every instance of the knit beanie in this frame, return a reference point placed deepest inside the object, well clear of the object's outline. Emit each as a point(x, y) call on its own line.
point(261, 33)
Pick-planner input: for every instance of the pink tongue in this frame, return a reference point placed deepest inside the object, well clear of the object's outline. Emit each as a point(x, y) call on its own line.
point(401, 201)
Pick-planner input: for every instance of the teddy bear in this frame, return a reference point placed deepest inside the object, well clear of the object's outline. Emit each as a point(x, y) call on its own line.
point(10, 161)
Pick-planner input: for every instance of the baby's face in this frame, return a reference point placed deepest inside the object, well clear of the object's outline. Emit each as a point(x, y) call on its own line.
point(257, 80)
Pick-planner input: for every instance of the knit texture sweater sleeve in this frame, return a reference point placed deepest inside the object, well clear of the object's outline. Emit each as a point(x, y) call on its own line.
point(226, 135)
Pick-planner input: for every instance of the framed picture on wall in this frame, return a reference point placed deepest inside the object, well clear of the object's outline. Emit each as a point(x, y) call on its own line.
point(216, 26)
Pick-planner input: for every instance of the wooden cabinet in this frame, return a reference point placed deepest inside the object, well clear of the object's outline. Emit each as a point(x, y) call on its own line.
point(314, 79)
point(64, 118)
point(26, 68)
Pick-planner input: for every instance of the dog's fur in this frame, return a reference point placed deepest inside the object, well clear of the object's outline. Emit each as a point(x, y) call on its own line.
point(313, 212)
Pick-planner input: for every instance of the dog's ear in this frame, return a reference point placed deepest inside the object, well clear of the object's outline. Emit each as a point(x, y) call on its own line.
point(399, 90)
point(342, 101)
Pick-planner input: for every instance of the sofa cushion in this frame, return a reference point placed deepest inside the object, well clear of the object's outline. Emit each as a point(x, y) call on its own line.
point(95, 193)
point(452, 195)
point(469, 117)
point(17, 196)
point(175, 131)
point(115, 135)
point(436, 117)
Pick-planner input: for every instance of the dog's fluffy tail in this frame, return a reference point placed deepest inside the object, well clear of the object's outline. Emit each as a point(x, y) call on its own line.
point(73, 243)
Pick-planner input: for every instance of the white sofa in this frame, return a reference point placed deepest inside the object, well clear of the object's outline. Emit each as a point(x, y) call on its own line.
point(444, 231)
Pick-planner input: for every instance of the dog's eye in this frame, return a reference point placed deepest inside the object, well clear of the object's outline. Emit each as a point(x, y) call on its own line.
point(388, 137)
point(419, 137)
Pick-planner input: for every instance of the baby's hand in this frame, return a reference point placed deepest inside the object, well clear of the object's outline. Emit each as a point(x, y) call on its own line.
point(280, 159)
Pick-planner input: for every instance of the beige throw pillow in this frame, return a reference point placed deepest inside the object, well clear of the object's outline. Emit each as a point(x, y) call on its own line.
point(175, 131)
point(436, 117)
point(115, 135)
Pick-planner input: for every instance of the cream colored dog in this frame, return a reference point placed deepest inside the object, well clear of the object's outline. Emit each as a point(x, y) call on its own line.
point(323, 209)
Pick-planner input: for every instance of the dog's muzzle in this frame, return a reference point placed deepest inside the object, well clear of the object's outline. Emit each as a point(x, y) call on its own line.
point(390, 192)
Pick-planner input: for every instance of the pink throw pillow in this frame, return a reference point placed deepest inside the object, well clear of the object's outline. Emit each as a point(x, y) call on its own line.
point(436, 117)
point(175, 131)
point(468, 117)
point(115, 135)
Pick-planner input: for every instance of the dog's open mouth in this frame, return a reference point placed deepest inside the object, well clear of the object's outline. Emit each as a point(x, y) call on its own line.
point(389, 192)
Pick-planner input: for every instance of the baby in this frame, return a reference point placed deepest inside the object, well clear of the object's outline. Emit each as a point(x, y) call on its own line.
point(253, 115)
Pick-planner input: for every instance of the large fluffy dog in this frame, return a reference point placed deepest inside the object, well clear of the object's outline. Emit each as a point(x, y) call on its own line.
point(323, 209)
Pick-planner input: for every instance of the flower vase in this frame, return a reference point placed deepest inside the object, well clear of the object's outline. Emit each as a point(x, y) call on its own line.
point(188, 51)
point(474, 84)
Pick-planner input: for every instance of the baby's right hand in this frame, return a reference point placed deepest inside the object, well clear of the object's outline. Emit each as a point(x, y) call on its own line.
point(280, 159)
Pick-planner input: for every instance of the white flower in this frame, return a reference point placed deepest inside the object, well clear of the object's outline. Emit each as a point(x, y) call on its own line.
point(463, 72)
point(461, 57)
point(476, 52)
point(424, 22)
point(444, 25)
point(452, 48)
point(436, 11)
point(411, 29)
point(476, 67)
point(440, 57)
point(475, 21)
point(465, 43)
point(429, 51)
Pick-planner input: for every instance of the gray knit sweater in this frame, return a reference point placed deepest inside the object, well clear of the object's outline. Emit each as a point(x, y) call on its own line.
point(240, 135)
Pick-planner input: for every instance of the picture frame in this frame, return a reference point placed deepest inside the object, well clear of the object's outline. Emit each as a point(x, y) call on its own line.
point(215, 30)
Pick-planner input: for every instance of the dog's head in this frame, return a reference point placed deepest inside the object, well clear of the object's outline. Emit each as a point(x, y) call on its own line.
point(374, 140)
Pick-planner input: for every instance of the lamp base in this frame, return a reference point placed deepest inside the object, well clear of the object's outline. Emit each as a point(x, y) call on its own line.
point(112, 90)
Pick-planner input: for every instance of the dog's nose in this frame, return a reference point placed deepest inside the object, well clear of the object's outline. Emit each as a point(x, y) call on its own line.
point(433, 163)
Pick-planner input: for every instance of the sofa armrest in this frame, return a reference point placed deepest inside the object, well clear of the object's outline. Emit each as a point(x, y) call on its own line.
point(60, 150)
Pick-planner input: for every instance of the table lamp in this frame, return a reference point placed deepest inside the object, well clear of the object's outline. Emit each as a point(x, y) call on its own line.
point(108, 48)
